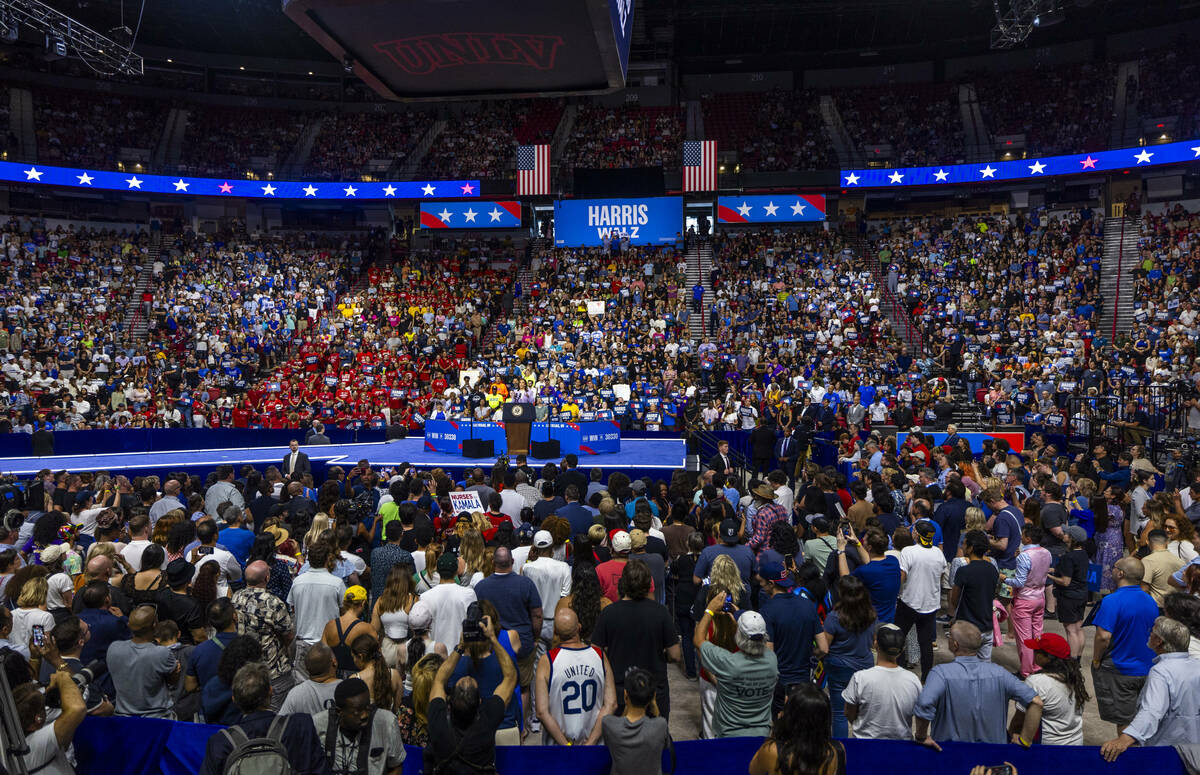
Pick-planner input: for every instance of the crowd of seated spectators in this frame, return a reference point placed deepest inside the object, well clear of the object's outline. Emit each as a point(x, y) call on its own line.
point(920, 121)
point(89, 129)
point(1060, 110)
point(348, 141)
point(225, 141)
point(1166, 84)
point(625, 136)
point(773, 131)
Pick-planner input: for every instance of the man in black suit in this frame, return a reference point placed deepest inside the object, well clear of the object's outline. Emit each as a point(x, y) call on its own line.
point(721, 462)
point(570, 475)
point(317, 435)
point(295, 463)
point(762, 446)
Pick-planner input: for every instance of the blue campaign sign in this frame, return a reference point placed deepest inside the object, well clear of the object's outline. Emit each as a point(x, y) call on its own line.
point(582, 438)
point(235, 187)
point(470, 215)
point(593, 222)
point(775, 208)
point(1024, 169)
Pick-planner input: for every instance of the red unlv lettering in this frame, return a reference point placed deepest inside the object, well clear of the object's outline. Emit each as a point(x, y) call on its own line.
point(423, 54)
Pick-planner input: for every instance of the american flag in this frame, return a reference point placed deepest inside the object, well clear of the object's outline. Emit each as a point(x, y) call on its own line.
point(700, 165)
point(533, 170)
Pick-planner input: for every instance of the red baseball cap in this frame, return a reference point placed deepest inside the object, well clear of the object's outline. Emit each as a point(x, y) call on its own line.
point(1054, 645)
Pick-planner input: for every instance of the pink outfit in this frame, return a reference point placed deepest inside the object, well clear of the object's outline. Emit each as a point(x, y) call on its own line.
point(1029, 603)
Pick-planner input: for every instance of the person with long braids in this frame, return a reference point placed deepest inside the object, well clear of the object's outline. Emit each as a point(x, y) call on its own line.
point(1063, 691)
point(587, 599)
point(383, 681)
point(800, 741)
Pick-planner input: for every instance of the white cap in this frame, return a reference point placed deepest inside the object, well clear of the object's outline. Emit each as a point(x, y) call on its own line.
point(543, 539)
point(621, 542)
point(752, 625)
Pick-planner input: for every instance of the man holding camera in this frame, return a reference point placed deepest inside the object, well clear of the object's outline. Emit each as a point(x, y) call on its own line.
point(462, 727)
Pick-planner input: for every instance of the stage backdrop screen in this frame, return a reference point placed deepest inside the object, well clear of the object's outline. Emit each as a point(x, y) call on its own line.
point(593, 222)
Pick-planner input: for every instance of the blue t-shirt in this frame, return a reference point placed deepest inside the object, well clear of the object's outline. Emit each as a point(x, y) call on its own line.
point(882, 580)
point(238, 540)
point(1128, 613)
point(849, 649)
point(489, 676)
point(792, 624)
point(204, 660)
point(742, 556)
point(1008, 524)
point(513, 596)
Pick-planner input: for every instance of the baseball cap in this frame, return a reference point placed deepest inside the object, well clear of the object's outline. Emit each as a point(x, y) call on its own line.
point(526, 532)
point(543, 539)
point(1077, 533)
point(637, 539)
point(356, 594)
point(775, 573)
point(1054, 645)
point(83, 496)
point(621, 542)
point(447, 565)
point(752, 625)
point(421, 616)
point(637, 485)
point(890, 638)
point(729, 531)
point(925, 532)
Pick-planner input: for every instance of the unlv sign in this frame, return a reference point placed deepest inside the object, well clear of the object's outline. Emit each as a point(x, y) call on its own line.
point(424, 54)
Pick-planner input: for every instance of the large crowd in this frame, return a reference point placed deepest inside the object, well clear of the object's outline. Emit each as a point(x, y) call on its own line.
point(775, 131)
point(921, 122)
point(89, 128)
point(1067, 109)
point(625, 136)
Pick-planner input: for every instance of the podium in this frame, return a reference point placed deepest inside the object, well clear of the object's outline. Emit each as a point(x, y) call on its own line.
point(518, 427)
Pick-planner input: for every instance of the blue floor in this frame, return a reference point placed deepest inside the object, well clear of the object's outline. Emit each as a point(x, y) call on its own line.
point(635, 454)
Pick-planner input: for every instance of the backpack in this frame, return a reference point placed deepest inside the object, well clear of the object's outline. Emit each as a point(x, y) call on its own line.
point(258, 756)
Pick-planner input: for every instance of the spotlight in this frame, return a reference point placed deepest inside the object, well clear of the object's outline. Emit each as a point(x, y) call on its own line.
point(1051, 16)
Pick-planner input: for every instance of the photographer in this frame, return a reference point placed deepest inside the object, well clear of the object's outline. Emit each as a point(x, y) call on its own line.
point(69, 637)
point(48, 743)
point(462, 729)
point(483, 666)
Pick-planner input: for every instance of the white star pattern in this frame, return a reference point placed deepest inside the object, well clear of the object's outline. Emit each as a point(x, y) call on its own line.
point(134, 182)
point(895, 177)
point(180, 185)
point(470, 214)
point(268, 190)
point(797, 209)
point(33, 173)
point(744, 210)
point(940, 175)
point(84, 179)
point(495, 213)
point(1036, 168)
point(445, 215)
point(852, 179)
point(771, 207)
point(389, 190)
point(350, 191)
point(988, 171)
point(1196, 150)
point(427, 190)
point(310, 190)
point(467, 188)
point(1143, 157)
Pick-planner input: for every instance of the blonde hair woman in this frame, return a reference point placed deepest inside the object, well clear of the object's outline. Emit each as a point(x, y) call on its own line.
point(723, 578)
point(321, 522)
point(974, 520)
point(414, 721)
point(427, 577)
point(475, 555)
point(31, 610)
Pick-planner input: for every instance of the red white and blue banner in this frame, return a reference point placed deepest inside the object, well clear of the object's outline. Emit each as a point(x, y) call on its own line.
point(140, 183)
point(1024, 169)
point(775, 208)
point(470, 215)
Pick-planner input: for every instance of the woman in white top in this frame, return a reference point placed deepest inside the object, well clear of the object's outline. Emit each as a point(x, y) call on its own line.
point(419, 643)
point(31, 611)
point(1061, 686)
point(478, 559)
point(390, 615)
point(60, 590)
point(1182, 537)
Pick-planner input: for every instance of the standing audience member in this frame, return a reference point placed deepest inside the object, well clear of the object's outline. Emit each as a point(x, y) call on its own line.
point(143, 672)
point(1121, 656)
point(879, 701)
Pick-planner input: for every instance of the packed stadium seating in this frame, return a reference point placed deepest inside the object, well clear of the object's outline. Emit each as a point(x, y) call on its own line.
point(627, 136)
point(771, 132)
point(1060, 110)
point(920, 121)
point(89, 129)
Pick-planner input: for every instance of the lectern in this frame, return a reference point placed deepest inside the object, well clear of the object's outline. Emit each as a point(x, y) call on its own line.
point(518, 427)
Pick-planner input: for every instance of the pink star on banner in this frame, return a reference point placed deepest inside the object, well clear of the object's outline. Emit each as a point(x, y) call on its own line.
point(225, 188)
point(1088, 163)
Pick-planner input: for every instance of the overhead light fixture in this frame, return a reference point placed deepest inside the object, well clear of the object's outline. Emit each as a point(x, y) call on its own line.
point(1050, 17)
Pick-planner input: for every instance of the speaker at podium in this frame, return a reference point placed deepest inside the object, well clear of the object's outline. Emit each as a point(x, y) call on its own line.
point(518, 427)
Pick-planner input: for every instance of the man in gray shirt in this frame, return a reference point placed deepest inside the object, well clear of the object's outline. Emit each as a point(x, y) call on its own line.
point(168, 502)
point(359, 728)
point(967, 700)
point(222, 491)
point(315, 694)
point(143, 672)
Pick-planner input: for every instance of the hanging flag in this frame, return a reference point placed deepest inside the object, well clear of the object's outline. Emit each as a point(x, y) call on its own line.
point(700, 165)
point(533, 170)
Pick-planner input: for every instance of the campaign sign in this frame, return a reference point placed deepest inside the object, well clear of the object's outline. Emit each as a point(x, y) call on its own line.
point(596, 222)
point(465, 501)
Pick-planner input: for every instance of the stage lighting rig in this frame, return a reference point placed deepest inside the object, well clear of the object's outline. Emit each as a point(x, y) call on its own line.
point(97, 51)
point(1017, 20)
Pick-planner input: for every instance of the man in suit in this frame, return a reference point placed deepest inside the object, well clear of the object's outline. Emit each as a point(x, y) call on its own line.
point(722, 462)
point(295, 463)
point(317, 435)
point(762, 446)
point(570, 475)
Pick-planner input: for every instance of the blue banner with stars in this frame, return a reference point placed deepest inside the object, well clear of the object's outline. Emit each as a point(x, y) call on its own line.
point(470, 215)
point(774, 208)
point(234, 187)
point(1023, 169)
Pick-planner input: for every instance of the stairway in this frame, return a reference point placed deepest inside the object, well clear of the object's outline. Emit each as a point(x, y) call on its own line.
point(20, 105)
point(137, 325)
point(848, 152)
point(892, 307)
point(699, 269)
point(1126, 125)
point(408, 169)
point(172, 150)
point(294, 163)
point(1116, 275)
point(978, 143)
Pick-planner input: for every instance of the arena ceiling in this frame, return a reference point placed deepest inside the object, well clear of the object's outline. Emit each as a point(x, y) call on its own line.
point(697, 35)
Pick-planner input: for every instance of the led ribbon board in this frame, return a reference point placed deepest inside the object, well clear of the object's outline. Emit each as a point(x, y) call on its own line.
point(775, 208)
point(470, 215)
point(70, 177)
point(1023, 169)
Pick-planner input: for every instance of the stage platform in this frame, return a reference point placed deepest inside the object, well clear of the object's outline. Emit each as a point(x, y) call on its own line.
point(653, 457)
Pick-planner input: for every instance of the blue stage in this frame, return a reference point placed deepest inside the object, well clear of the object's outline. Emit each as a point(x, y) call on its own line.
point(652, 457)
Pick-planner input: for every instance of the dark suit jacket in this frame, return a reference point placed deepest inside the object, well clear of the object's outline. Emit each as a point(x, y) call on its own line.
point(317, 438)
point(572, 476)
point(715, 463)
point(302, 464)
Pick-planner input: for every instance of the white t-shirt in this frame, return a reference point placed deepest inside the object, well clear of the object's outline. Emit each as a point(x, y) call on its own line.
point(924, 565)
point(449, 604)
point(133, 553)
point(553, 581)
point(1062, 724)
point(45, 755)
point(59, 585)
point(24, 620)
point(885, 697)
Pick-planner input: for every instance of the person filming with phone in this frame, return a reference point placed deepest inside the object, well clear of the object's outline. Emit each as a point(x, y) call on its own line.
point(462, 727)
